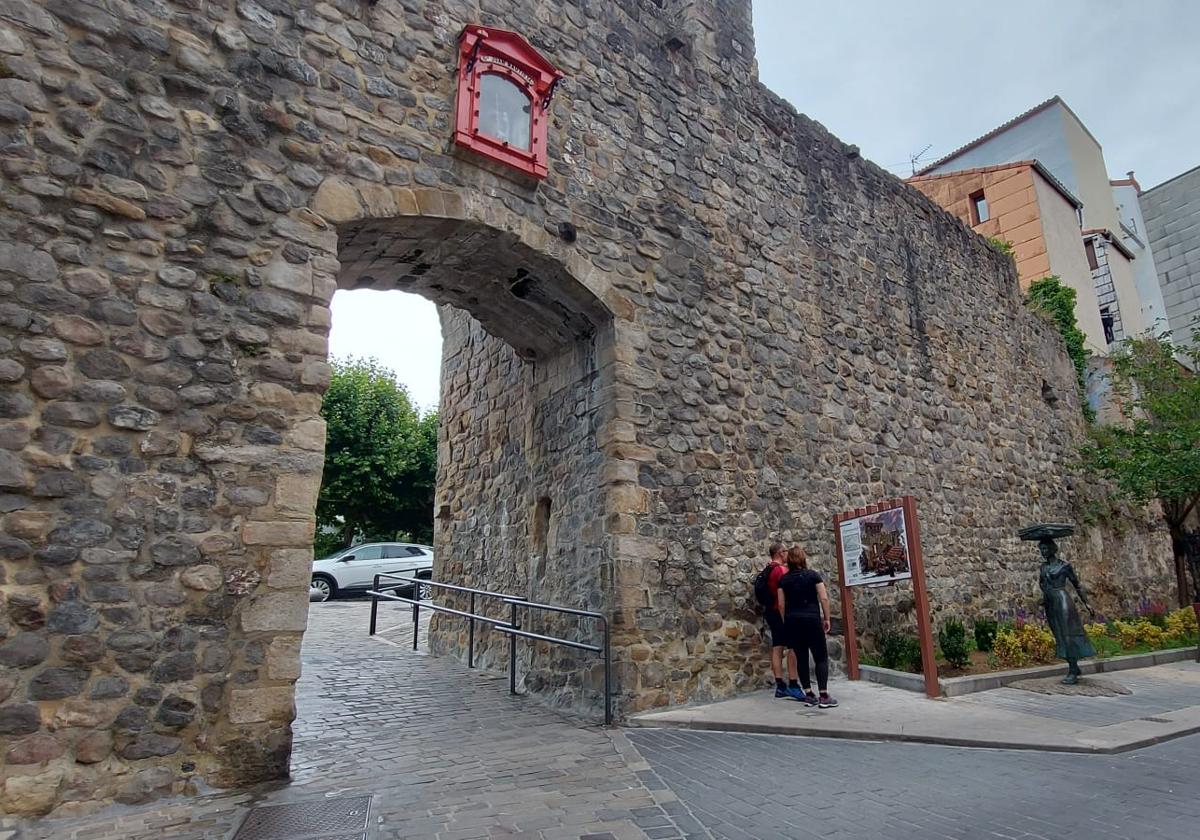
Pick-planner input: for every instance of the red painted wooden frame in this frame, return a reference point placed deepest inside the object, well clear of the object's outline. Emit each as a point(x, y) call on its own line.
point(920, 594)
point(484, 50)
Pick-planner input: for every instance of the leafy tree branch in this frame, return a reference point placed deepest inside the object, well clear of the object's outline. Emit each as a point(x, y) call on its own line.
point(1154, 452)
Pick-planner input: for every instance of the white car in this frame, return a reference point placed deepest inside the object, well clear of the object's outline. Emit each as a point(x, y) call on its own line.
point(354, 569)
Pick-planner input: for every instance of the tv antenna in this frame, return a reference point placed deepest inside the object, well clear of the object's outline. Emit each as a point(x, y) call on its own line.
point(914, 158)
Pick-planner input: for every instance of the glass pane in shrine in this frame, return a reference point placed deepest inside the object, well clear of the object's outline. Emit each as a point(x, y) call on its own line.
point(504, 111)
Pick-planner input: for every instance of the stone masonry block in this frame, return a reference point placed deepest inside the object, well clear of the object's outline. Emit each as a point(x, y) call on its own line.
point(276, 613)
point(278, 533)
point(260, 705)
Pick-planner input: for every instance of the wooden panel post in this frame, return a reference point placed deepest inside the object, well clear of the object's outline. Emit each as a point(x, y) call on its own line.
point(917, 565)
point(848, 631)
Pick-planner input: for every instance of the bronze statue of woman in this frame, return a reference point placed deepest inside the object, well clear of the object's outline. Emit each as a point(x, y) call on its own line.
point(1071, 642)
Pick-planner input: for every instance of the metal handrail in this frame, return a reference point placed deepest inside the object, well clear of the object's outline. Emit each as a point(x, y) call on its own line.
point(514, 630)
point(525, 602)
point(525, 634)
point(512, 627)
point(495, 622)
point(417, 582)
point(453, 586)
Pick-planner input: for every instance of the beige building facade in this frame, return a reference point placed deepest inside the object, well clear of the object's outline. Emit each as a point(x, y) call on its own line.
point(1056, 138)
point(1022, 204)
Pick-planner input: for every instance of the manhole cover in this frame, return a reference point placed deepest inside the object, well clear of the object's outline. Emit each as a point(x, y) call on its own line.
point(341, 818)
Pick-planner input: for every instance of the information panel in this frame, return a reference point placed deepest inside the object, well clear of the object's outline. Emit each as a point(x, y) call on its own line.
point(875, 548)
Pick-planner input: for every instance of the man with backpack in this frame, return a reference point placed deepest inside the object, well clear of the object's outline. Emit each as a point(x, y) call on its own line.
point(766, 592)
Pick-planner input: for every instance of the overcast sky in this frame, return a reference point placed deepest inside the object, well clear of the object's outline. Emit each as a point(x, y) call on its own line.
point(894, 77)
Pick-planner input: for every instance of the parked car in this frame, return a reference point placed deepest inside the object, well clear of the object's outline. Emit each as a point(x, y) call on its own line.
point(354, 569)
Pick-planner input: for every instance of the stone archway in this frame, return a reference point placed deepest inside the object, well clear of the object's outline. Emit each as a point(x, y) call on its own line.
point(521, 494)
point(166, 263)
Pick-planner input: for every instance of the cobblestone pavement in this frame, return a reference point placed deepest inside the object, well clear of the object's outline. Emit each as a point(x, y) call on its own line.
point(446, 752)
point(770, 787)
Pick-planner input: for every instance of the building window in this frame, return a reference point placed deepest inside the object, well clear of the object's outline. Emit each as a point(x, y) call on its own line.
point(504, 92)
point(979, 208)
point(1089, 245)
point(1106, 318)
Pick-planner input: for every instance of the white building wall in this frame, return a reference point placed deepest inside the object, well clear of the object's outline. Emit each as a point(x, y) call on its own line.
point(1064, 248)
point(1092, 185)
point(1041, 137)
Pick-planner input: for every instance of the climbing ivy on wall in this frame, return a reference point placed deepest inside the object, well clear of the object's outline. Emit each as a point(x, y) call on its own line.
point(1057, 300)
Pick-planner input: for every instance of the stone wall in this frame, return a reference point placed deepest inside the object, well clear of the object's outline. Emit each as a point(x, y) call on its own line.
point(519, 504)
point(754, 328)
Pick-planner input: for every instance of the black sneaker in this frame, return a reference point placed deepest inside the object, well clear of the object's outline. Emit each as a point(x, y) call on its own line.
point(826, 702)
point(810, 699)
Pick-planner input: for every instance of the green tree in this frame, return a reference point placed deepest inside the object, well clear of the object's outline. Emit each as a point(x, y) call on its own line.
point(380, 459)
point(1154, 453)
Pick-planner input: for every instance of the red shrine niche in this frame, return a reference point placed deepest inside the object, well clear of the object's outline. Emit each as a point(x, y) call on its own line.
point(504, 93)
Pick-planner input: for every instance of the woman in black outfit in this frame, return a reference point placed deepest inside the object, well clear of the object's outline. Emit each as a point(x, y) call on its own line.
point(804, 605)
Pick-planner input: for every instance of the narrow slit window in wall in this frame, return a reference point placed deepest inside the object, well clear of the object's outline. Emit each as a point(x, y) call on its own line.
point(541, 524)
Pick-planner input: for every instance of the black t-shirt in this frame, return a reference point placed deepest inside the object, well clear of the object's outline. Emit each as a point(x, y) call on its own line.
point(799, 588)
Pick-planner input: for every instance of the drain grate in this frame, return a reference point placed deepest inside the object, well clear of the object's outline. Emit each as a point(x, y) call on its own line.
point(340, 818)
point(1157, 720)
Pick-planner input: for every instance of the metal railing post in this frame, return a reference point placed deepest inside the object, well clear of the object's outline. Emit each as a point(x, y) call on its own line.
point(416, 611)
point(608, 715)
point(512, 651)
point(471, 635)
point(374, 605)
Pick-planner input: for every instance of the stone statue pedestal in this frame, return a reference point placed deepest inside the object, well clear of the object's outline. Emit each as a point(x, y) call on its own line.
point(1086, 687)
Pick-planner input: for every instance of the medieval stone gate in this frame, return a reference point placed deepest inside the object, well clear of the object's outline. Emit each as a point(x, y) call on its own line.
point(710, 325)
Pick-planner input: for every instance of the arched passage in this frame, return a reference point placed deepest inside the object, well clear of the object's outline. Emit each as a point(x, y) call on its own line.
point(520, 497)
point(528, 300)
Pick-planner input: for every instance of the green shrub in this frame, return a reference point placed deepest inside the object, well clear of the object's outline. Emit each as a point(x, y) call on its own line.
point(891, 647)
point(985, 633)
point(899, 652)
point(911, 658)
point(953, 640)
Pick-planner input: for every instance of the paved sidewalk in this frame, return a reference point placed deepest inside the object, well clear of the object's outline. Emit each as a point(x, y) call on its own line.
point(447, 753)
point(1165, 703)
point(761, 787)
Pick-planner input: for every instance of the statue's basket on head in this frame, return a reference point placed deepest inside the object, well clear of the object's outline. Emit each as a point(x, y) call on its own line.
point(1047, 531)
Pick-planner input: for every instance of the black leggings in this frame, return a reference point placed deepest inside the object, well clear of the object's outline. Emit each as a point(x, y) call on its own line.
point(806, 634)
